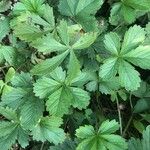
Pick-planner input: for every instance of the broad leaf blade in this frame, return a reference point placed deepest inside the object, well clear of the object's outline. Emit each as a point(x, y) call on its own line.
point(49, 65)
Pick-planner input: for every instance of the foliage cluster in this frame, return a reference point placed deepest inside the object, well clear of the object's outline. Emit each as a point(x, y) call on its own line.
point(74, 74)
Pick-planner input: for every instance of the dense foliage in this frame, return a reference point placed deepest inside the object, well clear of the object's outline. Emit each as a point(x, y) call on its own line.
point(75, 74)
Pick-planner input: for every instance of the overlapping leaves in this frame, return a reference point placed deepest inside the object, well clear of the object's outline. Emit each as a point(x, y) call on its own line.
point(83, 11)
point(71, 40)
point(60, 92)
point(121, 55)
point(102, 139)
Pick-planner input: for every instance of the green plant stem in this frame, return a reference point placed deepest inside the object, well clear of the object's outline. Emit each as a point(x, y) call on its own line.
point(130, 98)
point(119, 115)
point(127, 126)
point(42, 146)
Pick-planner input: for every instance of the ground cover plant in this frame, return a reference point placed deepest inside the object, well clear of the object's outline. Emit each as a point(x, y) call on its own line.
point(74, 75)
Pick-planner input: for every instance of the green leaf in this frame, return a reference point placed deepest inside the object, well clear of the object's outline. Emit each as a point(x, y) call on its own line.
point(4, 28)
point(108, 86)
point(49, 65)
point(7, 53)
point(49, 16)
point(7, 141)
point(129, 77)
point(11, 133)
point(128, 13)
point(115, 14)
point(142, 105)
point(85, 40)
point(23, 138)
point(48, 129)
point(5, 5)
point(102, 139)
point(80, 98)
point(8, 113)
point(66, 145)
point(77, 8)
point(10, 74)
point(31, 112)
point(6, 128)
point(139, 5)
point(48, 44)
point(108, 127)
point(137, 144)
point(132, 39)
point(73, 68)
point(139, 57)
point(63, 32)
point(58, 74)
point(45, 86)
point(59, 100)
point(22, 80)
point(28, 32)
point(109, 68)
point(112, 43)
point(15, 98)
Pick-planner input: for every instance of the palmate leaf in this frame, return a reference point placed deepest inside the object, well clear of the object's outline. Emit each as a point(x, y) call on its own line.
point(48, 130)
point(50, 44)
point(12, 131)
point(131, 51)
point(77, 8)
point(59, 94)
point(102, 139)
point(127, 11)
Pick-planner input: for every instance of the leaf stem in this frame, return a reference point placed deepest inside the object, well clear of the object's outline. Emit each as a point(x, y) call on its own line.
point(127, 126)
point(119, 115)
point(42, 146)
